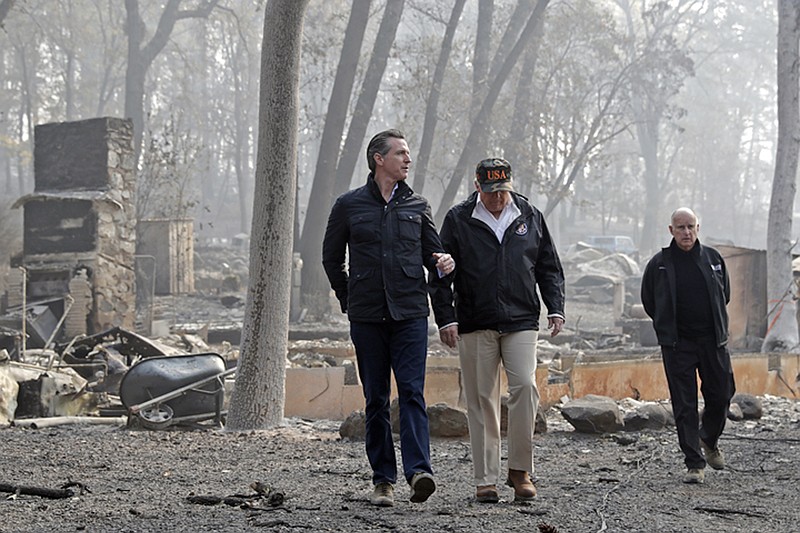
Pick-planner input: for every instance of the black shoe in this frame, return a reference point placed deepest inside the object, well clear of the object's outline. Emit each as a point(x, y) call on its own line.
point(422, 486)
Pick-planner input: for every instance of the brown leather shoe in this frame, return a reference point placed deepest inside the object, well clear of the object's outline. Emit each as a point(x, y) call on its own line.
point(487, 494)
point(524, 491)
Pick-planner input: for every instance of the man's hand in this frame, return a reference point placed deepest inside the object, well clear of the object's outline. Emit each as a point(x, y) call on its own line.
point(555, 323)
point(449, 335)
point(444, 262)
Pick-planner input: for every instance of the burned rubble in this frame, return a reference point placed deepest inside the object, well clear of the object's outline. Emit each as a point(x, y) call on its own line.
point(208, 320)
point(103, 325)
point(95, 294)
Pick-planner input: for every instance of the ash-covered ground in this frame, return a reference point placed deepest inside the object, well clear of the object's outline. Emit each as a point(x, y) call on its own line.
point(128, 480)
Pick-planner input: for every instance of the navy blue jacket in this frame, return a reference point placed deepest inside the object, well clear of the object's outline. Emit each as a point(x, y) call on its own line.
point(494, 285)
point(389, 247)
point(659, 289)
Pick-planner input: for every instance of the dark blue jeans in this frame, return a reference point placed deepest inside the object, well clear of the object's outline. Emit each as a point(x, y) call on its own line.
point(683, 363)
point(402, 347)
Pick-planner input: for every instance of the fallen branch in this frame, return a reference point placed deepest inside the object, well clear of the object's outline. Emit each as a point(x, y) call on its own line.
point(40, 423)
point(717, 510)
point(280, 523)
point(54, 494)
point(762, 439)
point(534, 512)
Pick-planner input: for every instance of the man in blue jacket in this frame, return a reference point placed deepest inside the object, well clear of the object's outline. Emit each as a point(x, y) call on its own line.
point(503, 250)
point(390, 236)
point(685, 289)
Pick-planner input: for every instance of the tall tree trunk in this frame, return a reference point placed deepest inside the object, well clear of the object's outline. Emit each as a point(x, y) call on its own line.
point(524, 117)
point(649, 102)
point(647, 136)
point(241, 128)
point(480, 55)
point(489, 72)
point(471, 146)
point(511, 34)
point(432, 105)
point(781, 321)
point(366, 100)
point(26, 120)
point(69, 87)
point(5, 7)
point(315, 286)
point(141, 56)
point(258, 398)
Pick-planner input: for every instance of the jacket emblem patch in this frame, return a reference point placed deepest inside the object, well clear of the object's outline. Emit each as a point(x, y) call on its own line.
point(522, 229)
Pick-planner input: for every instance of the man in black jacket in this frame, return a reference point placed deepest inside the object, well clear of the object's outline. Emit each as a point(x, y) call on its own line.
point(503, 250)
point(685, 289)
point(390, 236)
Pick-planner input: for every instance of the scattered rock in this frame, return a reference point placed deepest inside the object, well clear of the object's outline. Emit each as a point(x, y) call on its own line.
point(735, 412)
point(649, 416)
point(443, 420)
point(354, 426)
point(446, 421)
point(593, 414)
point(625, 439)
point(752, 408)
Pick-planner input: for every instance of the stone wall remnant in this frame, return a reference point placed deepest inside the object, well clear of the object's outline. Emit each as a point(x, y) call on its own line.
point(80, 221)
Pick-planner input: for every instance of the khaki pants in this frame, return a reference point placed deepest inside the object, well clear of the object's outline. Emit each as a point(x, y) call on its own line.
point(481, 353)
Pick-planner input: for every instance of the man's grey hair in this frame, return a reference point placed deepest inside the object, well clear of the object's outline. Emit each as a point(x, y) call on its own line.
point(379, 144)
point(684, 211)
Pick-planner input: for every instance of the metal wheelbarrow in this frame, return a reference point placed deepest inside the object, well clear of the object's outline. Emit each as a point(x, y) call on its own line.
point(162, 391)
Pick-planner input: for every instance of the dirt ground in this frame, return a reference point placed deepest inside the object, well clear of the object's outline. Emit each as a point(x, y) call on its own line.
point(140, 481)
point(135, 480)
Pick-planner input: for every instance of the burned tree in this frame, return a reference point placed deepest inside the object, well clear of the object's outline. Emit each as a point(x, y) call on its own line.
point(258, 398)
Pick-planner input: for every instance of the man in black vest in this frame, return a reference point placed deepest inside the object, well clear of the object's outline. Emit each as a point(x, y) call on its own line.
point(685, 289)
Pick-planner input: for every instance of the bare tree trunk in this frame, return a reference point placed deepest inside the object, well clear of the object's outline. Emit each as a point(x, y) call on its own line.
point(366, 100)
point(241, 127)
point(524, 117)
point(314, 283)
point(140, 56)
point(650, 102)
point(648, 144)
point(25, 118)
point(480, 56)
point(510, 36)
point(5, 7)
point(241, 153)
point(258, 398)
point(432, 105)
point(69, 87)
point(481, 120)
point(782, 333)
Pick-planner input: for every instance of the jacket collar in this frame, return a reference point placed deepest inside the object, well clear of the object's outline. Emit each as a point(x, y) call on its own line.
point(372, 187)
point(694, 252)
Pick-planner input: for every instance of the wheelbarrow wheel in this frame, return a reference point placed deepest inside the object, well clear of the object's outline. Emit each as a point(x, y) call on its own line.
point(156, 417)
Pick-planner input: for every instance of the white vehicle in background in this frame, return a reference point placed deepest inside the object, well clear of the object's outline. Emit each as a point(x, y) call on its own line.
point(621, 244)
